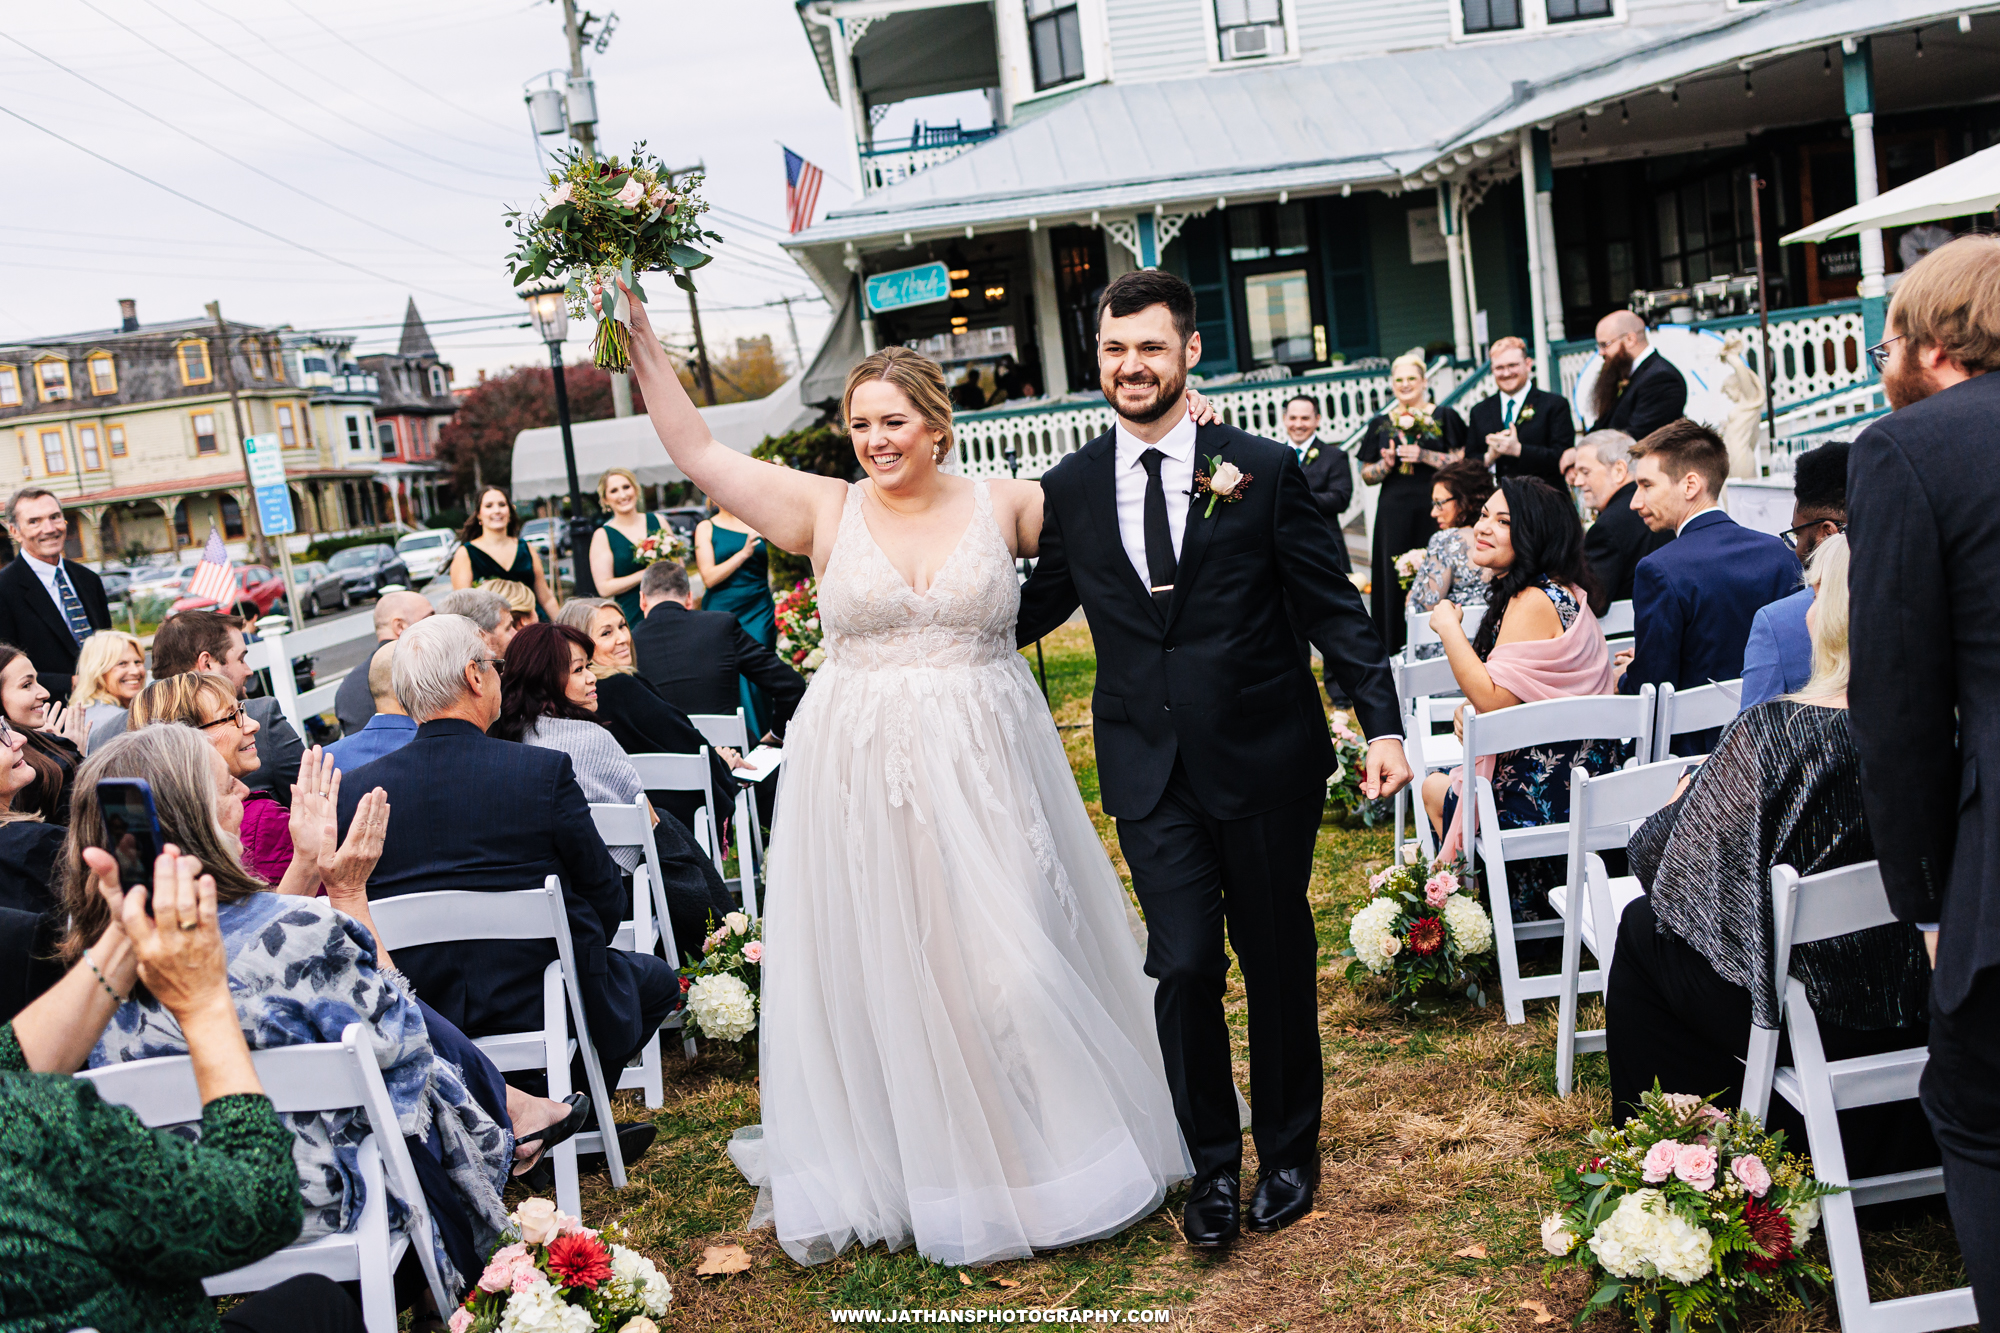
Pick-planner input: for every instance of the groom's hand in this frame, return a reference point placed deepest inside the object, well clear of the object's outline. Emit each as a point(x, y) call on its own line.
point(1388, 769)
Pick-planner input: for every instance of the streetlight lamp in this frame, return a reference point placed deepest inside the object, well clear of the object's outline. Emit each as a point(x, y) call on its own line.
point(546, 306)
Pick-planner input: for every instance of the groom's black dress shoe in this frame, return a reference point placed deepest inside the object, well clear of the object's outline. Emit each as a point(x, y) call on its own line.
point(1282, 1197)
point(1210, 1220)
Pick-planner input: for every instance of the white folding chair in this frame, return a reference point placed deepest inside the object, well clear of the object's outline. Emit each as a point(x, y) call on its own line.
point(1620, 717)
point(324, 1076)
point(1703, 708)
point(1805, 910)
point(631, 826)
point(1617, 619)
point(461, 916)
point(1603, 813)
point(1417, 631)
point(1426, 692)
point(733, 730)
point(689, 772)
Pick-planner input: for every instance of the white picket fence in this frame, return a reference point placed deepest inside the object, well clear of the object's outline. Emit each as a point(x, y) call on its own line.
point(1816, 350)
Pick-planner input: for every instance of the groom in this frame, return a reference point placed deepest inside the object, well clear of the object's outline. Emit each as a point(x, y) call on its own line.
point(1204, 567)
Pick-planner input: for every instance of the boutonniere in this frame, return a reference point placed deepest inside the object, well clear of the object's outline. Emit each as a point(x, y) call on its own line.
point(1223, 481)
point(1312, 455)
point(1525, 414)
point(1623, 385)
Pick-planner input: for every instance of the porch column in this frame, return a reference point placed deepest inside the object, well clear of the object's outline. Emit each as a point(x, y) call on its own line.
point(1048, 313)
point(1545, 229)
point(1534, 145)
point(1461, 323)
point(1857, 73)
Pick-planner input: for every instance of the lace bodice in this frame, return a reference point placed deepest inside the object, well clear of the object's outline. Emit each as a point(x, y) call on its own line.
point(874, 620)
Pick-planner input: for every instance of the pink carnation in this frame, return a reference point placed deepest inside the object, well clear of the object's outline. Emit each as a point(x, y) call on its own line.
point(1751, 1174)
point(1440, 887)
point(753, 952)
point(1695, 1164)
point(461, 1319)
point(499, 1272)
point(1660, 1159)
point(526, 1275)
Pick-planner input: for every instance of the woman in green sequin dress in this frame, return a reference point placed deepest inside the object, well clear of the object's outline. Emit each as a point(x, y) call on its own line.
point(614, 565)
point(736, 577)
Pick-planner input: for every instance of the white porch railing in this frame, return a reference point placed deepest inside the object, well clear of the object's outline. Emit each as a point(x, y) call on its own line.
point(883, 167)
point(1816, 350)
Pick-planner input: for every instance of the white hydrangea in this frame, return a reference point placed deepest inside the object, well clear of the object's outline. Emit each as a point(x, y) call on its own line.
point(724, 1007)
point(646, 1282)
point(1370, 934)
point(1805, 1216)
point(1471, 929)
point(1644, 1231)
point(784, 643)
point(541, 1309)
point(1557, 1238)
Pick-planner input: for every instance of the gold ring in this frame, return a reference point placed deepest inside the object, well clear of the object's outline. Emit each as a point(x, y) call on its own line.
point(190, 925)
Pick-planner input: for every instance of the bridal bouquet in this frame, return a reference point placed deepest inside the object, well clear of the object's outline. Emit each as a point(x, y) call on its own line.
point(1407, 565)
point(603, 219)
point(1423, 930)
point(1413, 425)
point(1686, 1210)
point(798, 628)
point(722, 987)
point(1350, 765)
point(551, 1272)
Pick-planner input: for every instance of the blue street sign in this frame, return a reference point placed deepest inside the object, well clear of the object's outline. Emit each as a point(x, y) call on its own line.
point(925, 284)
point(274, 510)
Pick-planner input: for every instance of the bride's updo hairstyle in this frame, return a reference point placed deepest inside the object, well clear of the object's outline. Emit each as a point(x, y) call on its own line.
point(922, 382)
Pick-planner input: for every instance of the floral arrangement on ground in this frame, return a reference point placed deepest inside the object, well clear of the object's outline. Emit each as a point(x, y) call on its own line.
point(552, 1274)
point(1407, 565)
point(1425, 931)
point(721, 987)
point(1345, 799)
point(603, 218)
point(1686, 1210)
point(799, 637)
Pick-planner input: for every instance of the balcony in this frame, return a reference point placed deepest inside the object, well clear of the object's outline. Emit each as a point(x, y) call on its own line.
point(929, 145)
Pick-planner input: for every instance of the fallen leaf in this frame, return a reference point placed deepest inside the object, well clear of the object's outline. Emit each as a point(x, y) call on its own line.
point(1313, 1216)
point(963, 1280)
point(1397, 1041)
point(1005, 1282)
point(1540, 1311)
point(1470, 1252)
point(722, 1259)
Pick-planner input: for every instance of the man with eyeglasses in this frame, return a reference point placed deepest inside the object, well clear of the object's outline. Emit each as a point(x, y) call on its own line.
point(1778, 657)
point(48, 605)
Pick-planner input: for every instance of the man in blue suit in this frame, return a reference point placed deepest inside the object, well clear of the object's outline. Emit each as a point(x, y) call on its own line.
point(1693, 599)
point(1778, 658)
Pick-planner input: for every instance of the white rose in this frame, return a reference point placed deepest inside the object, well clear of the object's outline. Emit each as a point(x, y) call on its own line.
point(1226, 479)
point(1805, 1216)
point(784, 643)
point(815, 659)
point(645, 1281)
point(1471, 929)
point(738, 922)
point(1557, 1238)
point(1406, 421)
point(723, 1006)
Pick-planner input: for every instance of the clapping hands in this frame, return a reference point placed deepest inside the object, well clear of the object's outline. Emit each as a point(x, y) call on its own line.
point(72, 724)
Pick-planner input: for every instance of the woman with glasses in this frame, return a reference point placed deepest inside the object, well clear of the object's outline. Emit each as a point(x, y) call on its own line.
point(1458, 492)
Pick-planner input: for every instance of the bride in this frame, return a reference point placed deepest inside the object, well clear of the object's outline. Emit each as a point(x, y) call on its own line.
point(958, 1045)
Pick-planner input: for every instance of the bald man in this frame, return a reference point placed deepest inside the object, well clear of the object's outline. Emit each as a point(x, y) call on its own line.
point(394, 612)
point(1638, 390)
point(389, 730)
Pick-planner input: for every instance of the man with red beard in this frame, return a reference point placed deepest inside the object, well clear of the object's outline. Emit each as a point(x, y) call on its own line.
point(1924, 694)
point(1638, 390)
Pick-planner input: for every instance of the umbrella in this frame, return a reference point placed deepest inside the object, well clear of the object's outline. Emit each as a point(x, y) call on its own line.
point(1969, 185)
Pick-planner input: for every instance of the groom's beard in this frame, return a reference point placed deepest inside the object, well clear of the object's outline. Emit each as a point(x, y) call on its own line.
point(1166, 396)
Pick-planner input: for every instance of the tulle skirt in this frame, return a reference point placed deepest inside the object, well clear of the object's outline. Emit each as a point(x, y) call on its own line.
point(958, 1048)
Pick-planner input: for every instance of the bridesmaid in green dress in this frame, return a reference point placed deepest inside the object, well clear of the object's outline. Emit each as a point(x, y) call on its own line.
point(736, 575)
point(613, 546)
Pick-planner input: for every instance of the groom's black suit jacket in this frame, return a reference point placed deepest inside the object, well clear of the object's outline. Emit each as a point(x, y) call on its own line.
point(1223, 676)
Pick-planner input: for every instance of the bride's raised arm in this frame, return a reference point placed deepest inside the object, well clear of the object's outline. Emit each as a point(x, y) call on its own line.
point(787, 506)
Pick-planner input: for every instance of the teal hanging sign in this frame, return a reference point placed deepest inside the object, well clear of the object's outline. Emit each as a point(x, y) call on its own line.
point(925, 284)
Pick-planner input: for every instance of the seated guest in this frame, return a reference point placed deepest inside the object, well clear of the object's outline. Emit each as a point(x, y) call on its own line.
point(123, 1233)
point(353, 702)
point(1539, 640)
point(478, 813)
point(1521, 430)
point(519, 597)
point(549, 697)
point(110, 672)
point(1692, 599)
point(1458, 492)
point(1693, 963)
point(486, 609)
point(29, 847)
point(388, 727)
point(1618, 539)
point(695, 658)
point(52, 737)
point(300, 970)
point(1777, 659)
point(210, 642)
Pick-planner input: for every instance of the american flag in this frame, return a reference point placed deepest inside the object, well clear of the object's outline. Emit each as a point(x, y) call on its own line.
point(215, 577)
point(802, 180)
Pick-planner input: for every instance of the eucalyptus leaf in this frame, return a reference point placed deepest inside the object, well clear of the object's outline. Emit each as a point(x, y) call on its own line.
point(687, 257)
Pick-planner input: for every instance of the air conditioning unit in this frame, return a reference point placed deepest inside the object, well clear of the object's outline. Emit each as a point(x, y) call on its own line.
point(1260, 39)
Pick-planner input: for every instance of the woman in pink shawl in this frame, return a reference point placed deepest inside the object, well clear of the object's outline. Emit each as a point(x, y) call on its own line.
point(1539, 641)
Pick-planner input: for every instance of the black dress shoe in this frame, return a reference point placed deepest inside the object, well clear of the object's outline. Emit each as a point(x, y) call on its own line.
point(1210, 1221)
point(1282, 1198)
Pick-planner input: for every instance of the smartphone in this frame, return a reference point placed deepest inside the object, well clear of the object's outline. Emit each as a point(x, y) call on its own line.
point(131, 831)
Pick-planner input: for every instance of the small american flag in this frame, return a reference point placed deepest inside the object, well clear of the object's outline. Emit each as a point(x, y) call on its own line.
point(215, 577)
point(802, 181)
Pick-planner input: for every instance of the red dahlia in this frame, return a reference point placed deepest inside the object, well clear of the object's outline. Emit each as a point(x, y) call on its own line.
point(1426, 936)
point(1771, 1230)
point(580, 1261)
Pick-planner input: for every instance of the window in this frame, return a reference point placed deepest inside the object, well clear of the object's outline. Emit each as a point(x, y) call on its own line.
point(1279, 307)
point(1495, 15)
point(385, 435)
point(114, 435)
point(288, 431)
point(354, 434)
point(193, 357)
point(53, 378)
point(313, 365)
point(232, 515)
point(253, 352)
point(10, 387)
point(1568, 11)
point(52, 452)
point(437, 382)
point(1055, 35)
point(204, 433)
point(278, 364)
point(1250, 28)
point(103, 373)
point(1266, 231)
point(86, 444)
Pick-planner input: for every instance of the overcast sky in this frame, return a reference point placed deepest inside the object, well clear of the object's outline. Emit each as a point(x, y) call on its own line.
point(406, 116)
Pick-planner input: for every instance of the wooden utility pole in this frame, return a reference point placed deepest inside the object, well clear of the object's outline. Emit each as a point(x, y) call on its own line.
point(583, 134)
point(252, 524)
point(703, 375)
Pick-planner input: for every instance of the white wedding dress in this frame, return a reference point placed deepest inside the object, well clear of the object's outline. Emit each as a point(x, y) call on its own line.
point(958, 1049)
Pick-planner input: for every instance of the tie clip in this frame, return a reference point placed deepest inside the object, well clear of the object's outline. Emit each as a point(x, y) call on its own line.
point(1161, 587)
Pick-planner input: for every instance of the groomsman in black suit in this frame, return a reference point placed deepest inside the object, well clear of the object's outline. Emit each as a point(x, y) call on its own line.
point(48, 605)
point(1526, 430)
point(1924, 696)
point(1638, 390)
point(1329, 474)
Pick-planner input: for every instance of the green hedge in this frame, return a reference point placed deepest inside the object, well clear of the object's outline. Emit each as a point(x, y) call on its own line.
point(824, 449)
point(325, 547)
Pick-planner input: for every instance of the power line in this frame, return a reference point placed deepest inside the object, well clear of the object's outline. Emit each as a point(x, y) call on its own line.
point(420, 87)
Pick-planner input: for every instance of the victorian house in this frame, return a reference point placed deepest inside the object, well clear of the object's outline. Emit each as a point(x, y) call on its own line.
point(416, 402)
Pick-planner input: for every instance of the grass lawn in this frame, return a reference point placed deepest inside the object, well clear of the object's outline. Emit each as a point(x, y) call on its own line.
point(1438, 1139)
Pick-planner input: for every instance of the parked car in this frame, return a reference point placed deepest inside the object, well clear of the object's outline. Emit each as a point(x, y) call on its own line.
point(160, 579)
point(366, 570)
point(539, 532)
point(684, 520)
point(319, 589)
point(426, 553)
point(258, 589)
point(117, 582)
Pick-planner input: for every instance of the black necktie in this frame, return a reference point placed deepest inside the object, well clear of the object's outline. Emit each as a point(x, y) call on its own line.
point(1160, 560)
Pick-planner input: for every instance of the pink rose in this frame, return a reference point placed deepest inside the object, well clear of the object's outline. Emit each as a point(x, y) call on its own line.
point(1441, 886)
point(1660, 1159)
point(753, 952)
point(499, 1274)
point(526, 1276)
point(559, 195)
point(1695, 1164)
point(632, 195)
point(1750, 1174)
point(659, 196)
point(461, 1319)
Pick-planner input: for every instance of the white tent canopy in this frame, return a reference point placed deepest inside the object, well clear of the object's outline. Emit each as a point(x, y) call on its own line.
point(630, 442)
point(1967, 186)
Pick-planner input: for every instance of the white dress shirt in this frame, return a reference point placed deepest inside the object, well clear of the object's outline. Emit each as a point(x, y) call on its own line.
point(1709, 509)
point(1638, 361)
point(1518, 400)
point(1176, 479)
point(46, 572)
